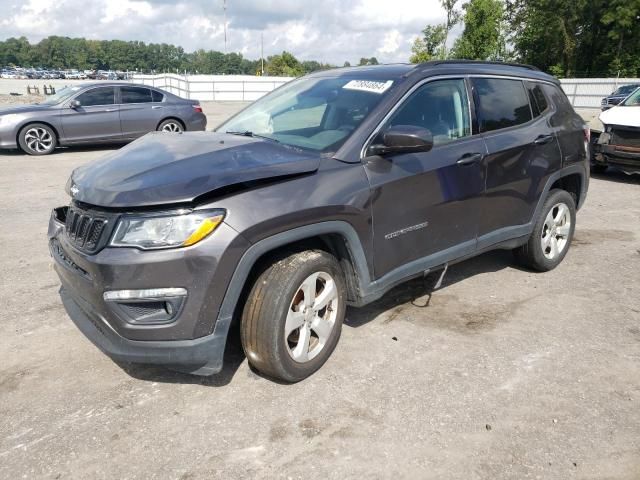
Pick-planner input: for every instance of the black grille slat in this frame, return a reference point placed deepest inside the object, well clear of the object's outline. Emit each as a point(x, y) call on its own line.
point(85, 229)
point(94, 235)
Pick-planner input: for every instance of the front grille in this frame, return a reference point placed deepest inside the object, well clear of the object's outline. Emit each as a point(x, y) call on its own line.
point(628, 138)
point(85, 229)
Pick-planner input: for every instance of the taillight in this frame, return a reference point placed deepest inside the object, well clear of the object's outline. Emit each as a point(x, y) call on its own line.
point(197, 108)
point(587, 133)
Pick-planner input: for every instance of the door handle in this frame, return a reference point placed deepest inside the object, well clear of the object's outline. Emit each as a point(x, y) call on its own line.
point(156, 107)
point(543, 139)
point(111, 110)
point(469, 159)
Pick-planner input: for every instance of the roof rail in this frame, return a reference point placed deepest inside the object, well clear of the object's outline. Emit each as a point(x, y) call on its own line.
point(478, 62)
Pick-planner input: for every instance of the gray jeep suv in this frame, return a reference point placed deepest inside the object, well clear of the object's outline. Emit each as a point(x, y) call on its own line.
point(325, 193)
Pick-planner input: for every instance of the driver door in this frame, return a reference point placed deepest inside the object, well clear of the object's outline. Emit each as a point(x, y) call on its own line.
point(426, 205)
point(96, 119)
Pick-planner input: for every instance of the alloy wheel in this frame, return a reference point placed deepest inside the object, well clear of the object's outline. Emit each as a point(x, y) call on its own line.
point(311, 317)
point(172, 127)
point(555, 231)
point(38, 139)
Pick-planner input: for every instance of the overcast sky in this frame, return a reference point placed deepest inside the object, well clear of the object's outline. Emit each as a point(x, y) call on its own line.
point(326, 30)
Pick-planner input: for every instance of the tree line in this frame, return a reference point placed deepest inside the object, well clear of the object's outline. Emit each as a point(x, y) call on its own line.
point(62, 53)
point(584, 38)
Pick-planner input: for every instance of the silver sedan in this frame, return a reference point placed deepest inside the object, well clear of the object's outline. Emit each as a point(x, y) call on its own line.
point(96, 114)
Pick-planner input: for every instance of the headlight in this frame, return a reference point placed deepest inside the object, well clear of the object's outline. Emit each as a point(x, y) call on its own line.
point(166, 231)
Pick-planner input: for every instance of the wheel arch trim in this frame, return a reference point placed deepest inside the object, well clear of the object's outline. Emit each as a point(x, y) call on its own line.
point(262, 247)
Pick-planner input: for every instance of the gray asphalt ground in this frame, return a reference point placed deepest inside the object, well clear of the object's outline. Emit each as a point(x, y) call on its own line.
point(500, 374)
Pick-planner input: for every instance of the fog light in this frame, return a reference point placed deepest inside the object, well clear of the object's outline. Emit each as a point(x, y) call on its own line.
point(116, 295)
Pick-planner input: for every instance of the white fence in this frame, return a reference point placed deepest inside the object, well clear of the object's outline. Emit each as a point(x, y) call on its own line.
point(582, 92)
point(243, 88)
point(588, 92)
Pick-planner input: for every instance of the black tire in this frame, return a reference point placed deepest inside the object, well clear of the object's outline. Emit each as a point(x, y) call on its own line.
point(175, 126)
point(268, 305)
point(599, 168)
point(37, 139)
point(532, 254)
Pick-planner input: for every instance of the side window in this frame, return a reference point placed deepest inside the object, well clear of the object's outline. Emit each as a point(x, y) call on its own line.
point(97, 96)
point(157, 96)
point(135, 95)
point(441, 106)
point(539, 104)
point(502, 103)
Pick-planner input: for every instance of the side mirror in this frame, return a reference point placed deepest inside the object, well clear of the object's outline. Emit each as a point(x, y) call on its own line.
point(403, 139)
point(75, 104)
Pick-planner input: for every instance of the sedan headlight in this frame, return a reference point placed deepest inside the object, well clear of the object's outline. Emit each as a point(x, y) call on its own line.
point(166, 231)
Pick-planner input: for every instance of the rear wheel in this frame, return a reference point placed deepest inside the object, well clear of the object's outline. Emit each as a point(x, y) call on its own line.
point(171, 126)
point(293, 316)
point(37, 139)
point(552, 233)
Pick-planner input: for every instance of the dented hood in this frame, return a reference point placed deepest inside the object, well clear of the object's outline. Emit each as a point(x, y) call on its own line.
point(162, 168)
point(624, 115)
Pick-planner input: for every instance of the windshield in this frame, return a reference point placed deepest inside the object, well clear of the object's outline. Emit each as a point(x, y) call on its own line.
point(633, 100)
point(61, 95)
point(317, 113)
point(625, 90)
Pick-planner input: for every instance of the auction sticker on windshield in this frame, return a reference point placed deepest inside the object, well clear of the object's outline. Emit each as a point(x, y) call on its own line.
point(369, 86)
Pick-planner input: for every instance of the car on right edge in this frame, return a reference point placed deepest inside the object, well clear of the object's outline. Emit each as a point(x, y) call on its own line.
point(619, 143)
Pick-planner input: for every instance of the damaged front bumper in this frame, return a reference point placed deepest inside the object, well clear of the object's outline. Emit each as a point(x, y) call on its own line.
point(620, 150)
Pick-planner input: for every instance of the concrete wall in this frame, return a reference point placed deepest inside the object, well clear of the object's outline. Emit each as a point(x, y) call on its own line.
point(214, 87)
point(588, 92)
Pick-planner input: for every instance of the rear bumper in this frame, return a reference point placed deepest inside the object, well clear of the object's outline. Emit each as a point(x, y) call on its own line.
point(197, 124)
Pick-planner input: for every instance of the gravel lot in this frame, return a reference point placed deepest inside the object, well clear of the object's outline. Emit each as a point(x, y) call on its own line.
point(504, 373)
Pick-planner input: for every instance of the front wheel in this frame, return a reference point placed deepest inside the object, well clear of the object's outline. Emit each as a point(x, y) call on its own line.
point(37, 139)
point(293, 316)
point(552, 233)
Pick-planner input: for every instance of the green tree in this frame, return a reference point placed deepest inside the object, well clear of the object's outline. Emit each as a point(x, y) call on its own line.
point(284, 65)
point(453, 17)
point(428, 46)
point(482, 37)
point(368, 61)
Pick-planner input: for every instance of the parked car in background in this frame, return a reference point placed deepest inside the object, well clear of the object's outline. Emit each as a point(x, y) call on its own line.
point(96, 113)
point(328, 191)
point(618, 96)
point(8, 74)
point(619, 144)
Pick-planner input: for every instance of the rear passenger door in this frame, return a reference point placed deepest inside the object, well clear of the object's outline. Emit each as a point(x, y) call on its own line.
point(139, 114)
point(522, 153)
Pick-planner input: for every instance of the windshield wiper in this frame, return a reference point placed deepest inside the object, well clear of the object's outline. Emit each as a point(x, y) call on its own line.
point(248, 133)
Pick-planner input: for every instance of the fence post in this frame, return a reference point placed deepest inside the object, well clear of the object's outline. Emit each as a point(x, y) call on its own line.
point(575, 91)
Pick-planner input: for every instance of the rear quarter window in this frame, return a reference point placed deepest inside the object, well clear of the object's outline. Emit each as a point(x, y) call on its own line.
point(157, 96)
point(501, 103)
